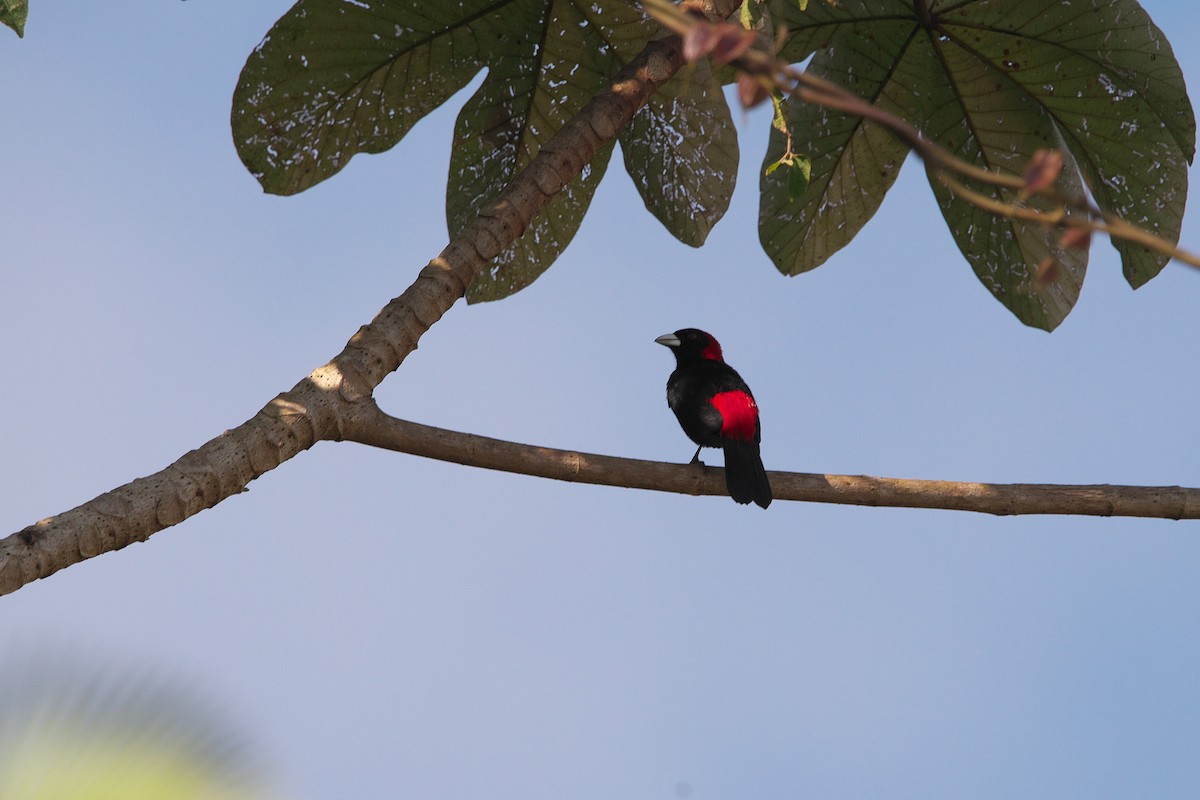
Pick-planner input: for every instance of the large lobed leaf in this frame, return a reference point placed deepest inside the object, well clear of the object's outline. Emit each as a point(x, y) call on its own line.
point(992, 81)
point(682, 152)
point(854, 161)
point(335, 78)
point(528, 95)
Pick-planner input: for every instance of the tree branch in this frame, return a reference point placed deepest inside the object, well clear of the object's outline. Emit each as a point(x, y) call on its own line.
point(377, 429)
point(335, 401)
point(327, 401)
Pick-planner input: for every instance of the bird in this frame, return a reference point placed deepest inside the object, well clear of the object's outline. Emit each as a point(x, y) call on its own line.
point(715, 408)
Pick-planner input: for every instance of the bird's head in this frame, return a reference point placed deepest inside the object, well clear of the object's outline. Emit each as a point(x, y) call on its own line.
point(691, 345)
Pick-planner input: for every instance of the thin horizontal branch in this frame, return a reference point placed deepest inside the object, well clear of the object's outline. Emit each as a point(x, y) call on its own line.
point(378, 429)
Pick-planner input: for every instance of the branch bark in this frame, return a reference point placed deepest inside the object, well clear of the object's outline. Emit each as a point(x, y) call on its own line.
point(322, 405)
point(378, 429)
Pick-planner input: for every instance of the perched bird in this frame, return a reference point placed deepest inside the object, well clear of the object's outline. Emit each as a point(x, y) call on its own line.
point(716, 409)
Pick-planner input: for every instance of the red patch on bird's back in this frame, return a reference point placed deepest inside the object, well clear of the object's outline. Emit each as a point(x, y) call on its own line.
point(739, 414)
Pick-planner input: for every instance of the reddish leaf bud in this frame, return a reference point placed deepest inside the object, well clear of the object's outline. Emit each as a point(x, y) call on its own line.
point(751, 91)
point(1076, 239)
point(1042, 170)
point(699, 41)
point(732, 41)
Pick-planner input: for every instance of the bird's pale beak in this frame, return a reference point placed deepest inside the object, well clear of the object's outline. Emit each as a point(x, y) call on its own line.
point(668, 340)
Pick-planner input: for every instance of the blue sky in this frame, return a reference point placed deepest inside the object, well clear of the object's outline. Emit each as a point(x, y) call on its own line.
point(384, 626)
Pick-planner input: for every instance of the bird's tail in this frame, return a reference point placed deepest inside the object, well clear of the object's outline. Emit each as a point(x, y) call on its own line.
point(744, 474)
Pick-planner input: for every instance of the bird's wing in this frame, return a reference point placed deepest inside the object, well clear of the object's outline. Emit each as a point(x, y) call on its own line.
point(709, 417)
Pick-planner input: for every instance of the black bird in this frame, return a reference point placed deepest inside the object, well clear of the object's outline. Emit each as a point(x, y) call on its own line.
point(716, 409)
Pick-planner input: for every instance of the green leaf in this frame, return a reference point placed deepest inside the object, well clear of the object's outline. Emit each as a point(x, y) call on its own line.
point(755, 15)
point(682, 152)
point(812, 27)
point(335, 78)
point(778, 113)
point(853, 162)
point(993, 81)
point(13, 14)
point(332, 79)
point(570, 52)
point(750, 12)
point(1108, 78)
point(799, 176)
point(997, 130)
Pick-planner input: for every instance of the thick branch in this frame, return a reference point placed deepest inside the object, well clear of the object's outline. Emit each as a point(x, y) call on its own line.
point(380, 430)
point(323, 404)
